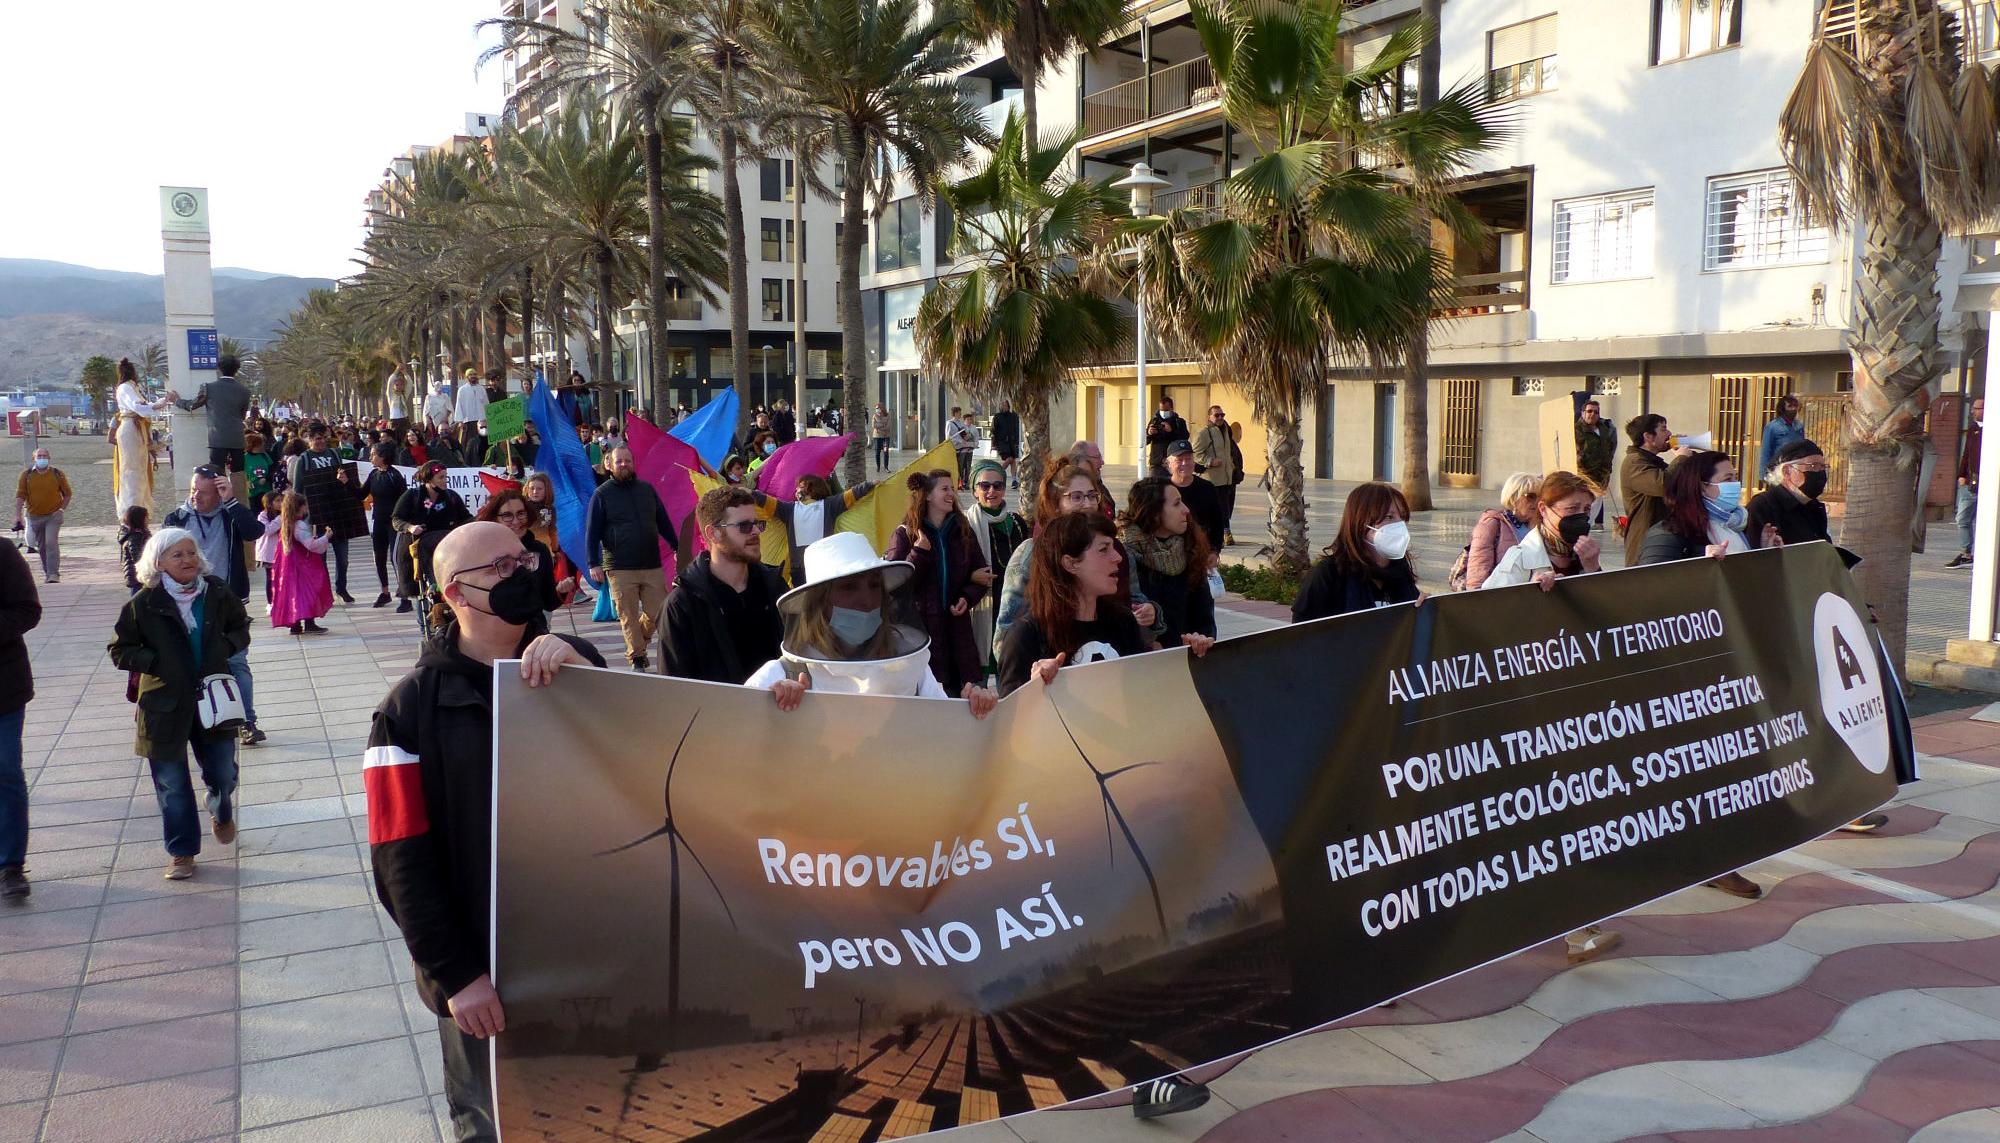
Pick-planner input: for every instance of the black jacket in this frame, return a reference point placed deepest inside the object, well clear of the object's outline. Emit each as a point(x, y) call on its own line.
point(1798, 521)
point(1184, 609)
point(545, 572)
point(244, 529)
point(151, 639)
point(1204, 503)
point(428, 774)
point(432, 511)
point(387, 487)
point(20, 611)
point(1331, 591)
point(1161, 432)
point(1007, 433)
point(624, 527)
point(695, 638)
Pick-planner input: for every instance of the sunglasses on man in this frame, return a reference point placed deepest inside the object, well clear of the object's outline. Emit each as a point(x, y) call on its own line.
point(744, 527)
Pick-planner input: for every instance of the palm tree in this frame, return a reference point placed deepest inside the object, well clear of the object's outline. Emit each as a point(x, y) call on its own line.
point(632, 51)
point(725, 82)
point(1416, 367)
point(1891, 128)
point(151, 359)
point(1315, 258)
point(872, 81)
point(1017, 323)
point(589, 176)
point(1036, 34)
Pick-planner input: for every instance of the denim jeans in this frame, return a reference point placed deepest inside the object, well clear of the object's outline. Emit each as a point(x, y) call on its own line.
point(468, 1086)
point(1967, 510)
point(216, 756)
point(44, 534)
point(239, 669)
point(340, 566)
point(13, 790)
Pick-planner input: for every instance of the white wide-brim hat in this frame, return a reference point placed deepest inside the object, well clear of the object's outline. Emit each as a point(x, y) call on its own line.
point(838, 556)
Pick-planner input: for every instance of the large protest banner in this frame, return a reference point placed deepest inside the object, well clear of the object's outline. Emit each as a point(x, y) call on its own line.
point(875, 916)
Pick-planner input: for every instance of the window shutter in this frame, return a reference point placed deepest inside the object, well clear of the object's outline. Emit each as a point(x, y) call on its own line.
point(1522, 42)
point(1365, 50)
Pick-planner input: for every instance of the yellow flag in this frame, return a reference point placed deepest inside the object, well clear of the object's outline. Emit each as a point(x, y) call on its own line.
point(877, 514)
point(776, 547)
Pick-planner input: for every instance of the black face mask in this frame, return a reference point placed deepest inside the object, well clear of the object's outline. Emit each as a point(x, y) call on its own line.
point(513, 600)
point(1574, 527)
point(1814, 484)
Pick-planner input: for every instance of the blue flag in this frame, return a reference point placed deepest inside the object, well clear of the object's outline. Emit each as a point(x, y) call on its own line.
point(568, 468)
point(710, 429)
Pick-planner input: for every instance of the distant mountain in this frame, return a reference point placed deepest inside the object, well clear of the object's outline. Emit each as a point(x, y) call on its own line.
point(54, 315)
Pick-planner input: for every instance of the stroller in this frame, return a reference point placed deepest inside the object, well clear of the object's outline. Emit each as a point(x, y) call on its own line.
point(414, 565)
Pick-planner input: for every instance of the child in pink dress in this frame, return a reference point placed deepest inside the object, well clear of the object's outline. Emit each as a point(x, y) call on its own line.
point(267, 544)
point(302, 591)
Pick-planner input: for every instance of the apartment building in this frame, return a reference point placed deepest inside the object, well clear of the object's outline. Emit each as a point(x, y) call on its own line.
point(378, 202)
point(698, 349)
point(1646, 246)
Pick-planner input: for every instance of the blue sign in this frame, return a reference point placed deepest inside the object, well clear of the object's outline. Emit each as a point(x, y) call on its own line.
point(204, 349)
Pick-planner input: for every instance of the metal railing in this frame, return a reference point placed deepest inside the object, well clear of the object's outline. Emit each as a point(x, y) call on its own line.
point(1206, 196)
point(1174, 88)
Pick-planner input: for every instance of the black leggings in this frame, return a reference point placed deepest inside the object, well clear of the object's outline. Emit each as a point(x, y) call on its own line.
point(881, 452)
point(383, 536)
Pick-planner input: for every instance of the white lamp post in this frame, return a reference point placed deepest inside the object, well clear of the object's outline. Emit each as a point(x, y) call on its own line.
point(635, 315)
point(1141, 183)
point(766, 360)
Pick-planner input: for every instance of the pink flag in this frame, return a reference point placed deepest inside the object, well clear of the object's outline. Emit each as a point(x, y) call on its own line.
point(807, 456)
point(666, 462)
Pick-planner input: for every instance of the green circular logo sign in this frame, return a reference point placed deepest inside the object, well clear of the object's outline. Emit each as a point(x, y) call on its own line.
point(184, 204)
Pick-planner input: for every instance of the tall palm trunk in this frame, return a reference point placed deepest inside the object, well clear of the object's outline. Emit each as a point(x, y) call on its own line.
point(1417, 354)
point(1895, 342)
point(1027, 20)
point(496, 336)
point(736, 246)
point(604, 318)
point(528, 322)
point(853, 335)
point(656, 252)
point(1289, 555)
point(559, 329)
point(1035, 445)
point(457, 341)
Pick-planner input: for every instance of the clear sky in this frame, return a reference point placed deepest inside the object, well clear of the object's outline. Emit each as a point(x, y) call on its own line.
point(286, 110)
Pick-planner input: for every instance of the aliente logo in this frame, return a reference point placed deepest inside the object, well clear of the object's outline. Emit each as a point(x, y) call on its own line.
point(1850, 681)
point(185, 205)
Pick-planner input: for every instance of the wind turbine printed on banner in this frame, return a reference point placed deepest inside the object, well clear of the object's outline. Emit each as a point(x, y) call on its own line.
point(1111, 811)
point(674, 843)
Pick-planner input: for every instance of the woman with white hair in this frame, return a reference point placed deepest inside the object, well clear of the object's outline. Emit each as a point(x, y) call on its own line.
point(1497, 531)
point(178, 631)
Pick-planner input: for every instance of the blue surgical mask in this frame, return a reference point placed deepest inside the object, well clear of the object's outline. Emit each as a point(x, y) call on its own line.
point(41, 462)
point(855, 627)
point(1729, 494)
point(769, 448)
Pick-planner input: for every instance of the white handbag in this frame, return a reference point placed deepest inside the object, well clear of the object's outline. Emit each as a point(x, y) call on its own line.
point(218, 702)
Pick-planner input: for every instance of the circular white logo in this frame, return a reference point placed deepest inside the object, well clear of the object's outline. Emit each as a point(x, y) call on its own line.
point(1850, 681)
point(185, 205)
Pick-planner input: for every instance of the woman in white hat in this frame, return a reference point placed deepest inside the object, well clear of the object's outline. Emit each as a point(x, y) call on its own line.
point(851, 628)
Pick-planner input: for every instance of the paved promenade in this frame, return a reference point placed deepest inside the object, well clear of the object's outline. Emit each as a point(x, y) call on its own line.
point(268, 998)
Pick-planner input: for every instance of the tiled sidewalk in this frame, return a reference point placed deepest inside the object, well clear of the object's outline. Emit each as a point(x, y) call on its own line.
point(268, 998)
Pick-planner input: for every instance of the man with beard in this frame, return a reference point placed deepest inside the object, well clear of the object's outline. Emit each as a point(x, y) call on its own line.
point(622, 535)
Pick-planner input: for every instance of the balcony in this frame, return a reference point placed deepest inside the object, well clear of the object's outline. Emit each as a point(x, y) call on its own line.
point(1205, 197)
point(1167, 91)
point(683, 309)
point(1498, 293)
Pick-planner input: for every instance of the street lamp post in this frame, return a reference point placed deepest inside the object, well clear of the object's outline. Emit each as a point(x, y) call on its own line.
point(1141, 184)
point(635, 314)
point(766, 401)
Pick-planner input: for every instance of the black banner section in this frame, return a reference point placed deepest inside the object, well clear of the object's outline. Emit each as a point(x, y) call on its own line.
point(875, 917)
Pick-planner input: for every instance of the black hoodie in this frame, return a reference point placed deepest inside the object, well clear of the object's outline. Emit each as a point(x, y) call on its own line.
point(428, 775)
point(713, 632)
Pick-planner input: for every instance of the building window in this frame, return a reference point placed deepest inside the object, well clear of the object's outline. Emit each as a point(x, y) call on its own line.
point(1602, 386)
point(1521, 59)
point(774, 180)
point(1398, 92)
point(775, 239)
point(1758, 220)
point(774, 299)
point(1604, 237)
point(1684, 28)
point(1527, 386)
point(899, 235)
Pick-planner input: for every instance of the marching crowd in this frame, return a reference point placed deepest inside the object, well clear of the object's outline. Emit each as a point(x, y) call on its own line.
point(968, 603)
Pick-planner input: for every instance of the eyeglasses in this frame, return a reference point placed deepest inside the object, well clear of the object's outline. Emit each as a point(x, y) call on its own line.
point(991, 486)
point(513, 515)
point(1088, 496)
point(505, 565)
point(1807, 465)
point(744, 527)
